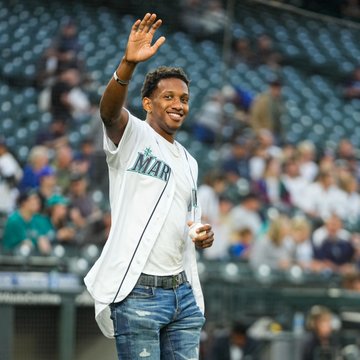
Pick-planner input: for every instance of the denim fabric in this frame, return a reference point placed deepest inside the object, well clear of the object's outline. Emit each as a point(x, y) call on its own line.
point(154, 323)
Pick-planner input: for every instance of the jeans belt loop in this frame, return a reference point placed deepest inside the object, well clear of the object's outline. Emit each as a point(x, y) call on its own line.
point(176, 281)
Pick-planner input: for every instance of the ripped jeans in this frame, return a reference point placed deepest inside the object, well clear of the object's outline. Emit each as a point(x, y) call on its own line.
point(153, 323)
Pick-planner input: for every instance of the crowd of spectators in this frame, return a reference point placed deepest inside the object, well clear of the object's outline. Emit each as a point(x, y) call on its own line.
point(271, 203)
point(290, 206)
point(48, 200)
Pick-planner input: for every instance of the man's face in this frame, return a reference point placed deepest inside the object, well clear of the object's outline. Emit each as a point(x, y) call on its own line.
point(168, 106)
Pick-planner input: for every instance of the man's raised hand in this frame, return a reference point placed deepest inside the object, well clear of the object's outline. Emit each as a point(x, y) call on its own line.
point(139, 47)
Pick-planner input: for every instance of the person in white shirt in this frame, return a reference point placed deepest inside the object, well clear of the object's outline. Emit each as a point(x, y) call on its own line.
point(214, 210)
point(309, 169)
point(350, 185)
point(10, 175)
point(146, 278)
point(246, 215)
point(293, 181)
point(323, 198)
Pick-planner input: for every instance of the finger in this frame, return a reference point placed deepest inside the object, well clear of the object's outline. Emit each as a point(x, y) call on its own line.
point(136, 25)
point(159, 42)
point(150, 23)
point(144, 22)
point(155, 26)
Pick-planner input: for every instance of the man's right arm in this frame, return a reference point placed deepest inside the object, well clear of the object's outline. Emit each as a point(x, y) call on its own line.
point(112, 113)
point(139, 48)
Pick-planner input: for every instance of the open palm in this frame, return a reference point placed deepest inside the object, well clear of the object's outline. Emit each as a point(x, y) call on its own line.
point(139, 47)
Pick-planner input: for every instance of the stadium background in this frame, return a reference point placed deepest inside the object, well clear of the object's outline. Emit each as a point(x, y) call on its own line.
point(39, 321)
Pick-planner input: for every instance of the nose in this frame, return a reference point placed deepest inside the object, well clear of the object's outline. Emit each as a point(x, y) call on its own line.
point(177, 103)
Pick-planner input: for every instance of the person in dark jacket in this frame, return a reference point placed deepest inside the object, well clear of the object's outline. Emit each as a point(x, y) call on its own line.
point(234, 344)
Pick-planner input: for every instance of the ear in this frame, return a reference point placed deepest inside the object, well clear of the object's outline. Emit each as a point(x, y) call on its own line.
point(147, 105)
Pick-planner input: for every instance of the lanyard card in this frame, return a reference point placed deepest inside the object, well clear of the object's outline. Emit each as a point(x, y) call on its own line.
point(194, 198)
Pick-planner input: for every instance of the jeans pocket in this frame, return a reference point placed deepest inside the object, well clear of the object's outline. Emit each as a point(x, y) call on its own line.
point(141, 292)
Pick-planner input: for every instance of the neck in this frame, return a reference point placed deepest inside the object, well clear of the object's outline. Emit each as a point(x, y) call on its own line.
point(167, 136)
point(26, 214)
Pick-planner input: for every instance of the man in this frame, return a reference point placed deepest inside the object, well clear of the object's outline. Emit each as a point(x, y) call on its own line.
point(234, 344)
point(147, 271)
point(267, 110)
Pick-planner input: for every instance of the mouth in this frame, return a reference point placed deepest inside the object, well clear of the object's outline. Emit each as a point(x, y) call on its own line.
point(175, 116)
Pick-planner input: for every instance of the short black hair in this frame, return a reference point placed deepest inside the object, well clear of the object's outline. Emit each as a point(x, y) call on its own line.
point(238, 327)
point(162, 72)
point(25, 195)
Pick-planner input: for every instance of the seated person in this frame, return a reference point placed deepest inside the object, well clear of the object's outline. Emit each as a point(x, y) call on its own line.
point(22, 232)
point(272, 248)
point(333, 246)
point(234, 344)
point(56, 223)
point(322, 342)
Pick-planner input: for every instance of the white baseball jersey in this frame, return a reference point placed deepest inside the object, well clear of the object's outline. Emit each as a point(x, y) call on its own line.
point(141, 190)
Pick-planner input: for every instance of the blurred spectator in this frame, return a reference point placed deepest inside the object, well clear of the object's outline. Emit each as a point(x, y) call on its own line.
point(47, 186)
point(322, 341)
point(246, 215)
point(266, 54)
point(346, 153)
point(263, 149)
point(68, 39)
point(63, 165)
point(191, 11)
point(55, 135)
point(10, 175)
point(209, 120)
point(203, 19)
point(293, 181)
point(299, 243)
point(38, 160)
point(22, 233)
point(352, 87)
point(350, 185)
point(67, 100)
point(333, 246)
point(233, 344)
point(241, 242)
point(267, 111)
point(323, 198)
point(307, 166)
point(271, 188)
point(83, 210)
point(46, 68)
point(63, 53)
point(212, 186)
point(242, 52)
point(351, 282)
point(214, 19)
point(219, 251)
point(83, 161)
point(288, 151)
point(271, 248)
point(350, 9)
point(56, 224)
point(236, 165)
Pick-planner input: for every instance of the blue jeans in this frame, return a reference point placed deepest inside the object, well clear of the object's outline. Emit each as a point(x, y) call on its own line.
point(153, 323)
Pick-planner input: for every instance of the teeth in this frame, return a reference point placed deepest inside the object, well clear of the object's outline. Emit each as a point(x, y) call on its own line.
point(174, 115)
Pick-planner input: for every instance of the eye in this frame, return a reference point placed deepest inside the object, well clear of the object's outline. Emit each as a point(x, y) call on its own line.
point(168, 97)
point(184, 100)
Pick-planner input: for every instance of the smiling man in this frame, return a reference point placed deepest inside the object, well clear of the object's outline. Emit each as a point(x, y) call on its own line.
point(145, 283)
